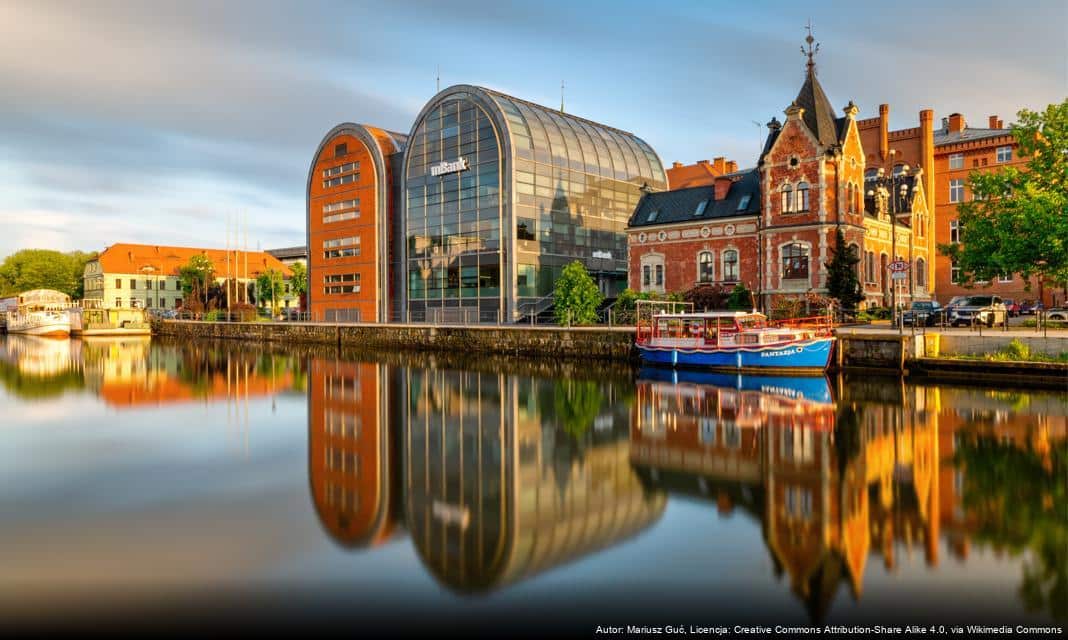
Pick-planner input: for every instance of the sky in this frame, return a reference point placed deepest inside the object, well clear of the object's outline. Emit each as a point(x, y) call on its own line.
point(160, 123)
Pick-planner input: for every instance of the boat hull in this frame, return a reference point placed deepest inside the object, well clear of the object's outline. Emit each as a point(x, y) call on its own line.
point(803, 356)
point(49, 330)
point(111, 332)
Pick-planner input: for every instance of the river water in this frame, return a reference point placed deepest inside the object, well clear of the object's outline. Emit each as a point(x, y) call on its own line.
point(169, 483)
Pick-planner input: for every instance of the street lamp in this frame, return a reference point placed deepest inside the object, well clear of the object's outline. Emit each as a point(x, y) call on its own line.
point(892, 189)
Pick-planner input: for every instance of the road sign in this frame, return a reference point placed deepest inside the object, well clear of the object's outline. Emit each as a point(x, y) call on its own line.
point(898, 266)
point(899, 275)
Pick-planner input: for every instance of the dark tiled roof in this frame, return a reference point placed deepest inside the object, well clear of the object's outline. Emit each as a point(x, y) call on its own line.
point(819, 114)
point(943, 136)
point(679, 205)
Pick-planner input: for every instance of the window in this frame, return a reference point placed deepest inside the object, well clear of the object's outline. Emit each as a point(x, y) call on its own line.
point(118, 283)
point(341, 247)
point(794, 261)
point(787, 199)
point(340, 149)
point(921, 272)
point(802, 196)
point(162, 285)
point(646, 275)
point(869, 266)
point(899, 169)
point(1005, 277)
point(956, 161)
point(348, 167)
point(743, 204)
point(1005, 154)
point(956, 190)
point(700, 208)
point(148, 284)
point(344, 210)
point(659, 275)
point(118, 302)
point(870, 175)
point(954, 272)
point(954, 231)
point(133, 283)
point(342, 283)
point(346, 179)
point(704, 267)
point(849, 197)
point(652, 215)
point(730, 265)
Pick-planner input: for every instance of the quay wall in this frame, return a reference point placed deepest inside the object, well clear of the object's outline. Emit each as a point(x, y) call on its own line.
point(600, 343)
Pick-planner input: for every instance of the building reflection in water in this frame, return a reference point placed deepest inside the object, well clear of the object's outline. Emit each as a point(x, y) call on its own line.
point(135, 371)
point(879, 468)
point(351, 464)
point(501, 476)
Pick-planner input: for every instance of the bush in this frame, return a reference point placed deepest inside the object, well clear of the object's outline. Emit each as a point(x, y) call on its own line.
point(741, 299)
point(576, 296)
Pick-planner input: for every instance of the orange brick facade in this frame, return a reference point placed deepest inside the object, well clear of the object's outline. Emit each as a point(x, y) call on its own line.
point(349, 209)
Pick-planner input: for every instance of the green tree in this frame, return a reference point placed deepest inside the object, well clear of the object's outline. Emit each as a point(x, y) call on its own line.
point(842, 281)
point(576, 296)
point(44, 269)
point(741, 298)
point(196, 277)
point(270, 289)
point(299, 281)
point(1016, 221)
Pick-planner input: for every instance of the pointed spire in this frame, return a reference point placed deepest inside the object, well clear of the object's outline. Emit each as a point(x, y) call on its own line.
point(818, 113)
point(811, 52)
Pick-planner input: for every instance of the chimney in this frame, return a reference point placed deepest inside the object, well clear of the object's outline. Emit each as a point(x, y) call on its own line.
point(884, 125)
point(676, 164)
point(704, 162)
point(732, 166)
point(956, 123)
point(719, 165)
point(722, 185)
point(1001, 124)
point(994, 123)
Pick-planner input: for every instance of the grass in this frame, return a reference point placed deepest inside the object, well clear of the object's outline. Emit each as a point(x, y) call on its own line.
point(1017, 351)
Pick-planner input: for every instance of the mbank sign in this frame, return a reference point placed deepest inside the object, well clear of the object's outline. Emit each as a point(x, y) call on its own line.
point(441, 168)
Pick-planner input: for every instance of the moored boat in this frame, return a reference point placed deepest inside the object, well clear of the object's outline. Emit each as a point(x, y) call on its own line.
point(40, 312)
point(735, 340)
point(91, 319)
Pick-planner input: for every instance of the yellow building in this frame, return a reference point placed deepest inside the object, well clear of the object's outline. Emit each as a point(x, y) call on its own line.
point(146, 276)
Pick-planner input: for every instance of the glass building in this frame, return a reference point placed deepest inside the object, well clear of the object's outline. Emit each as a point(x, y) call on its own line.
point(500, 194)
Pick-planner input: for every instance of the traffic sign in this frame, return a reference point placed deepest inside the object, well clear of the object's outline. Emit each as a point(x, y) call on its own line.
point(898, 265)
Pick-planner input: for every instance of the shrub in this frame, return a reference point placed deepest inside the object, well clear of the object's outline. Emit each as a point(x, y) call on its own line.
point(576, 296)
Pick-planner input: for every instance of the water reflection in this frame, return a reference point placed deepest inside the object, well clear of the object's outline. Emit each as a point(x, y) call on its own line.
point(882, 470)
point(503, 476)
point(134, 371)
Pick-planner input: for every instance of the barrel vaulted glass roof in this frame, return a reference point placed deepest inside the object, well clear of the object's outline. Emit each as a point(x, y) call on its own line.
point(550, 136)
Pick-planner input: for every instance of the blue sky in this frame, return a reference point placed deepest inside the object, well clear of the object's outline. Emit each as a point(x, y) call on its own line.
point(155, 123)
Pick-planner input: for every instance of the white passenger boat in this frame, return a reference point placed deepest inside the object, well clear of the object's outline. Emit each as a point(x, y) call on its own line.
point(41, 312)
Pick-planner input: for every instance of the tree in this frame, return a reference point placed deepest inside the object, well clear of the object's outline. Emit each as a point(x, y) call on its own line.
point(269, 289)
point(741, 298)
point(576, 296)
point(196, 277)
point(44, 269)
point(706, 296)
point(299, 281)
point(1016, 221)
point(842, 281)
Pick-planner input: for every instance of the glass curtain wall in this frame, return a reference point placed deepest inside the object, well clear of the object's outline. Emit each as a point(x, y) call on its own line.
point(574, 184)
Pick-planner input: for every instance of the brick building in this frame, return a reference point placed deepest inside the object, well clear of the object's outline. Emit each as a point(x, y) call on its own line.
point(350, 196)
point(773, 228)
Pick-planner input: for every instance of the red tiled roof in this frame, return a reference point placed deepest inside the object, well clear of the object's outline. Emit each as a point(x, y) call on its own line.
point(134, 258)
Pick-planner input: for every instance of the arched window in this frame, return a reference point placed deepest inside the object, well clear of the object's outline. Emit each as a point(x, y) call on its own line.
point(921, 272)
point(652, 273)
point(787, 199)
point(704, 267)
point(884, 261)
point(869, 266)
point(730, 265)
point(870, 175)
point(899, 169)
point(858, 198)
point(802, 196)
point(794, 261)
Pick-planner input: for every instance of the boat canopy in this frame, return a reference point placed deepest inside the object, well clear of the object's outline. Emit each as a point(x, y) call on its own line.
point(43, 299)
point(711, 314)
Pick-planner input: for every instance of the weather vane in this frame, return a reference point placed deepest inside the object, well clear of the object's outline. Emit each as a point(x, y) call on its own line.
point(812, 51)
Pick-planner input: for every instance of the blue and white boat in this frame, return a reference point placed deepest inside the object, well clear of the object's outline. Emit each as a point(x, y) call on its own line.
point(735, 340)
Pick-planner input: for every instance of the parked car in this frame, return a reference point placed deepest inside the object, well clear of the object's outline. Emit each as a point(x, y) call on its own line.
point(1012, 307)
point(1031, 307)
point(922, 313)
point(988, 310)
point(953, 303)
point(1057, 313)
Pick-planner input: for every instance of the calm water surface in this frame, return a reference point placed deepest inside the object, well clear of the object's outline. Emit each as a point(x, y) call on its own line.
point(183, 482)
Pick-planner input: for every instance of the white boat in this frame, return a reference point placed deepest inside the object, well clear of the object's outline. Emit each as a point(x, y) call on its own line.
point(39, 323)
point(41, 312)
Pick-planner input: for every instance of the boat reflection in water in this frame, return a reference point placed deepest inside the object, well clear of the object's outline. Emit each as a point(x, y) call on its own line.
point(874, 468)
point(500, 476)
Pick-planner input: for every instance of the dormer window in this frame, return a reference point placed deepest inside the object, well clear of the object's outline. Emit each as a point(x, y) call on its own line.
point(652, 215)
point(700, 208)
point(802, 196)
point(743, 204)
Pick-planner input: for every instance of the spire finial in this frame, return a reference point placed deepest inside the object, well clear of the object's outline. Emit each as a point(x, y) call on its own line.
point(811, 51)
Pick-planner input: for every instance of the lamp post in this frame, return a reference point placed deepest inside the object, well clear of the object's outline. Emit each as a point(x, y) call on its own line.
point(892, 189)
